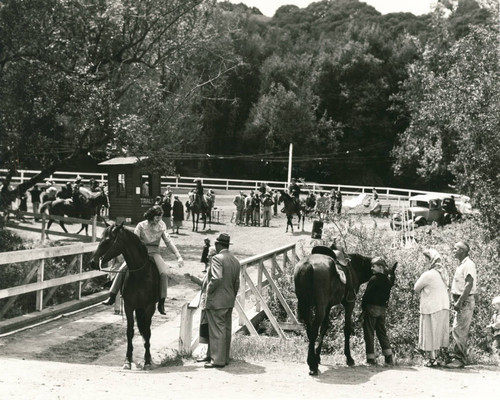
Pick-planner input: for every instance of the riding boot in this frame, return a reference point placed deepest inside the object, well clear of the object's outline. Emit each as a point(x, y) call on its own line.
point(161, 306)
point(111, 300)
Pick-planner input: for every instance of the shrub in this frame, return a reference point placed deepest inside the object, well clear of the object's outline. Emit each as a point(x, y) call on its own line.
point(403, 311)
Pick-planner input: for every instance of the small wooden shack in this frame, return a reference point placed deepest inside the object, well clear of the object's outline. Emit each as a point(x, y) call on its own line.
point(131, 188)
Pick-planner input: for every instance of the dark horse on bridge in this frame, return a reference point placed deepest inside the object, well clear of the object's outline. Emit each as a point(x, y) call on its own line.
point(141, 287)
point(326, 278)
point(292, 207)
point(79, 206)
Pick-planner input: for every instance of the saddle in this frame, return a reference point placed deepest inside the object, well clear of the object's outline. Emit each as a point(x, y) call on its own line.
point(339, 258)
point(341, 261)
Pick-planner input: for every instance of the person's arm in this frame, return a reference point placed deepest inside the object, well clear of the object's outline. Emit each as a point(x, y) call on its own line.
point(420, 283)
point(216, 275)
point(469, 282)
point(173, 249)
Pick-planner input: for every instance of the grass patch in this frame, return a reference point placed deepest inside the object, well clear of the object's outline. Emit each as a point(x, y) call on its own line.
point(86, 348)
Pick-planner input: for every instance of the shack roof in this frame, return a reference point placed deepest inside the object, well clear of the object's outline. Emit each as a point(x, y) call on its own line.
point(123, 160)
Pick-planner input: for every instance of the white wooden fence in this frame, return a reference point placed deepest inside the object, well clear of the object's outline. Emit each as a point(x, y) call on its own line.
point(186, 182)
point(255, 277)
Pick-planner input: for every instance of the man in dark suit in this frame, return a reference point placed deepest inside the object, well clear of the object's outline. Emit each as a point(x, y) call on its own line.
point(223, 283)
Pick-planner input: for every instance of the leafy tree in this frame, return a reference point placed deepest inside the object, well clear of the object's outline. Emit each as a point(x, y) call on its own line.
point(455, 119)
point(95, 76)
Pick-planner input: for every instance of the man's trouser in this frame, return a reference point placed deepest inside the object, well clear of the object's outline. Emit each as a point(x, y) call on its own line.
point(219, 334)
point(461, 326)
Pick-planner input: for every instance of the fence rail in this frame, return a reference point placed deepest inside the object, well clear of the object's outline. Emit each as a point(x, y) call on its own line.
point(39, 257)
point(253, 281)
point(186, 182)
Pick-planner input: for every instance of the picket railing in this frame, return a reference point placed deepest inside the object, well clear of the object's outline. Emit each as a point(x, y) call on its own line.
point(254, 278)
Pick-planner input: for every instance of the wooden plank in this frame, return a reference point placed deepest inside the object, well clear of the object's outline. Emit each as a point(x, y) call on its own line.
point(68, 271)
point(287, 326)
point(282, 300)
point(186, 329)
point(11, 301)
point(266, 255)
point(244, 317)
point(22, 321)
point(268, 312)
point(12, 257)
point(33, 287)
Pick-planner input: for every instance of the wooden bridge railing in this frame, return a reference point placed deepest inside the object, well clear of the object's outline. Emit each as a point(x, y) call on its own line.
point(255, 276)
point(39, 256)
point(45, 218)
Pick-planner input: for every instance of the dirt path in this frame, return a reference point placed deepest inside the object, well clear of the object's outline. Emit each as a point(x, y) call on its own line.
point(39, 380)
point(79, 356)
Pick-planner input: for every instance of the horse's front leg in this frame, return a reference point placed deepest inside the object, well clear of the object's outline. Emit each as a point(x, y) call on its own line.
point(348, 308)
point(61, 224)
point(147, 336)
point(129, 312)
point(290, 222)
point(194, 222)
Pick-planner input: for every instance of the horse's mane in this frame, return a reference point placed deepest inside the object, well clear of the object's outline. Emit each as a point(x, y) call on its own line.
point(136, 241)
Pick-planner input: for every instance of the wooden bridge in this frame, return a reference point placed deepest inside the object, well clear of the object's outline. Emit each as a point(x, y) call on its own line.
point(258, 275)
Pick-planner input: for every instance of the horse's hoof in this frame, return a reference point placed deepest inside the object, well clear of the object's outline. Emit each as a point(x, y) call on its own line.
point(127, 366)
point(147, 367)
point(313, 373)
point(351, 363)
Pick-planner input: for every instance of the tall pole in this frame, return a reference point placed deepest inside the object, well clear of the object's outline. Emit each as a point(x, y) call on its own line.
point(290, 152)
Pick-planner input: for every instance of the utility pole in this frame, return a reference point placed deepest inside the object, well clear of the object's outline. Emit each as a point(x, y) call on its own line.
point(290, 152)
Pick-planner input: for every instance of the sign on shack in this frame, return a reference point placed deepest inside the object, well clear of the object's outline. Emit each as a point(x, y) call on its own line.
point(132, 189)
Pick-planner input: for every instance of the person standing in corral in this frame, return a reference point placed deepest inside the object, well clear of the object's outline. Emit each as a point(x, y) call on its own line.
point(434, 329)
point(223, 282)
point(239, 203)
point(166, 206)
point(249, 209)
point(256, 210)
point(275, 197)
point(177, 214)
point(338, 201)
point(267, 204)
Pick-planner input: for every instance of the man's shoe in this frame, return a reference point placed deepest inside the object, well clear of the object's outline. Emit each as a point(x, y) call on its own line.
point(161, 306)
point(371, 361)
point(204, 359)
point(210, 365)
point(389, 360)
point(111, 300)
point(455, 364)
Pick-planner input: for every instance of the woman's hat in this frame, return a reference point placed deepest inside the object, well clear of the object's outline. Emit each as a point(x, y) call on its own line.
point(223, 238)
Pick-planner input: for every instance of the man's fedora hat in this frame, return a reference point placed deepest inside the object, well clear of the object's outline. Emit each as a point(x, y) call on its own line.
point(223, 238)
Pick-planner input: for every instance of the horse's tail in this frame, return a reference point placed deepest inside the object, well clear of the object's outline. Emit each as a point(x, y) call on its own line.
point(45, 206)
point(304, 290)
point(140, 316)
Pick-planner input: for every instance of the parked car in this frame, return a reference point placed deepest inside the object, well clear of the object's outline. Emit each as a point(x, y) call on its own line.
point(425, 209)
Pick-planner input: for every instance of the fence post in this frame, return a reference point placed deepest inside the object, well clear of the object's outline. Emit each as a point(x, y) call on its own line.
point(39, 293)
point(243, 289)
point(80, 270)
point(259, 284)
point(44, 226)
point(185, 334)
point(227, 185)
point(294, 257)
point(94, 228)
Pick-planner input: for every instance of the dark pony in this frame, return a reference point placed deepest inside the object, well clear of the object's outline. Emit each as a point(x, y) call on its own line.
point(141, 287)
point(318, 288)
point(80, 206)
point(292, 208)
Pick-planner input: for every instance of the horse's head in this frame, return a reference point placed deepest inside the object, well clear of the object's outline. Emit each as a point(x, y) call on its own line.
point(111, 245)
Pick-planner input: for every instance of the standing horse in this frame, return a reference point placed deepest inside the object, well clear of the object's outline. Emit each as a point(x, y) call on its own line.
point(78, 207)
point(291, 208)
point(141, 288)
point(319, 286)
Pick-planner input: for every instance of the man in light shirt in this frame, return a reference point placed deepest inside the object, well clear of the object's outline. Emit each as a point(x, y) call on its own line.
point(463, 289)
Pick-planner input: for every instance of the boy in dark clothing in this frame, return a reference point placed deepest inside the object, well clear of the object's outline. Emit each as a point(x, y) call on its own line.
point(374, 306)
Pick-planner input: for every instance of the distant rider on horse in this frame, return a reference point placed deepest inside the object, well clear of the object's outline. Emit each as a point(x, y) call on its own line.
point(294, 190)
